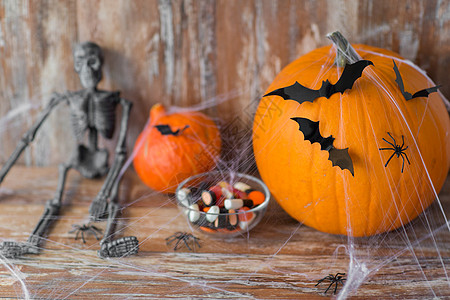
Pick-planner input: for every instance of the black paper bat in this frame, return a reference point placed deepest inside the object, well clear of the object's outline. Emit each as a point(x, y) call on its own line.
point(408, 96)
point(166, 130)
point(301, 94)
point(338, 157)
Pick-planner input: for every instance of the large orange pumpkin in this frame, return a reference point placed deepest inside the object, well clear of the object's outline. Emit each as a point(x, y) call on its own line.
point(174, 147)
point(377, 198)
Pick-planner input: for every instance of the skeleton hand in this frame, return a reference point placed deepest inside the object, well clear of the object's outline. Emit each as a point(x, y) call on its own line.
point(99, 208)
point(13, 249)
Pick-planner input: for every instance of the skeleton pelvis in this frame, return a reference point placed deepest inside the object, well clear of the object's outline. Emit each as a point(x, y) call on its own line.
point(91, 163)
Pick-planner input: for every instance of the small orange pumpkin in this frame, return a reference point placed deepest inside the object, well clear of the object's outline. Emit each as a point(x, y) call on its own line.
point(377, 198)
point(174, 147)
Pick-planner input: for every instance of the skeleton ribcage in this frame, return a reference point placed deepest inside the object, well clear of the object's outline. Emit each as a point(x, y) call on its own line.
point(96, 111)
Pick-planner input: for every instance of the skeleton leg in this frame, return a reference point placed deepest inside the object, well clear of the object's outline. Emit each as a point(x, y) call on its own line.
point(52, 207)
point(99, 207)
point(121, 247)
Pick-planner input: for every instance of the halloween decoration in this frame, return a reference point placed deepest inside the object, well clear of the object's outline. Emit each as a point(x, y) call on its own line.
point(301, 94)
point(93, 111)
point(408, 96)
point(221, 203)
point(88, 228)
point(398, 150)
point(338, 157)
point(371, 198)
point(174, 147)
point(334, 279)
point(166, 130)
point(185, 237)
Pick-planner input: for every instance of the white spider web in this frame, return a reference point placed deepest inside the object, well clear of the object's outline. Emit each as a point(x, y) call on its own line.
point(426, 236)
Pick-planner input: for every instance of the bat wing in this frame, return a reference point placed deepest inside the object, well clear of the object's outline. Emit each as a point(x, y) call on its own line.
point(425, 92)
point(408, 96)
point(165, 129)
point(348, 77)
point(338, 157)
point(399, 80)
point(296, 92)
point(311, 132)
point(341, 158)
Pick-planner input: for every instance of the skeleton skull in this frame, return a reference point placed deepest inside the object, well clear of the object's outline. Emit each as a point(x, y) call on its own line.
point(88, 60)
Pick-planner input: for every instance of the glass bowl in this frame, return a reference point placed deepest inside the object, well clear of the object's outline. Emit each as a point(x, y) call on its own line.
point(219, 204)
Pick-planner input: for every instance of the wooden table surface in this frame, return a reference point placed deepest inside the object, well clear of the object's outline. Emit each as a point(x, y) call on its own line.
point(278, 259)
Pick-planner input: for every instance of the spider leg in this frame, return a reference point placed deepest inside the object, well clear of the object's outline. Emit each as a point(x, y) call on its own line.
point(329, 286)
point(186, 243)
point(406, 157)
point(78, 233)
point(403, 142)
point(172, 238)
point(82, 237)
point(94, 233)
point(329, 277)
point(389, 159)
point(75, 227)
point(170, 241)
point(176, 235)
point(176, 245)
point(320, 281)
point(385, 149)
point(98, 230)
point(403, 164)
point(392, 138)
point(196, 241)
point(388, 142)
point(335, 287)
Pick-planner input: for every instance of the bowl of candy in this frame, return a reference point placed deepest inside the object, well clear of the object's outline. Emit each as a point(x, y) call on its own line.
point(223, 204)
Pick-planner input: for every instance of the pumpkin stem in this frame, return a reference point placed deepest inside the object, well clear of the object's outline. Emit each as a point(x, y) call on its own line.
point(157, 111)
point(345, 53)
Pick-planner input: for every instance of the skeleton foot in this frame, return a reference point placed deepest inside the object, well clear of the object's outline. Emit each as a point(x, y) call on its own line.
point(121, 247)
point(14, 249)
point(98, 210)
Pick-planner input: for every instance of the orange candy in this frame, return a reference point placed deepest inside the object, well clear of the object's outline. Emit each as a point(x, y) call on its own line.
point(257, 197)
point(245, 216)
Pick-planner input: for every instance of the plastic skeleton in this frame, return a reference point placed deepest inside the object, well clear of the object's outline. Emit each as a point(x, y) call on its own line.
point(92, 111)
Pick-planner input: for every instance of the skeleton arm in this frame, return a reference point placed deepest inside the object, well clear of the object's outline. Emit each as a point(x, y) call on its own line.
point(109, 189)
point(29, 136)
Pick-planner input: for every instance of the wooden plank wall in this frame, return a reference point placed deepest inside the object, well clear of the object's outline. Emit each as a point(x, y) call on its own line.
point(184, 52)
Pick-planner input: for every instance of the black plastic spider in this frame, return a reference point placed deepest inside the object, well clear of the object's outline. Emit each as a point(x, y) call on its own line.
point(89, 229)
point(335, 279)
point(182, 236)
point(398, 150)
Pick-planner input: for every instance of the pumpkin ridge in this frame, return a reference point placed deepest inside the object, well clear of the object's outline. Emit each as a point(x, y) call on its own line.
point(367, 149)
point(411, 127)
point(337, 204)
point(313, 193)
point(343, 222)
point(368, 131)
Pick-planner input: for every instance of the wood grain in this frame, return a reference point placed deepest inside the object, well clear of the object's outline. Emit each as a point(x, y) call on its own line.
point(279, 259)
point(184, 52)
